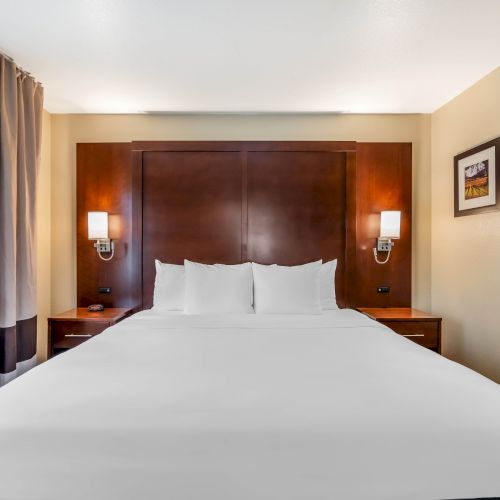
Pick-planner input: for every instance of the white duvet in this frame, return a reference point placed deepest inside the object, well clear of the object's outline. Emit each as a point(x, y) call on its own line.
point(251, 407)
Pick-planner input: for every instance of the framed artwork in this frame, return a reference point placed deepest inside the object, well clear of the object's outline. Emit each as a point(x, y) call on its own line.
point(477, 179)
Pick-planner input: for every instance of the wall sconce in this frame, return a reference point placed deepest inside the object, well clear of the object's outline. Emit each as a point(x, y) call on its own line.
point(390, 224)
point(98, 230)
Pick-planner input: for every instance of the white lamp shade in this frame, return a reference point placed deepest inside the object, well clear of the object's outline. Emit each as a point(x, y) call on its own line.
point(98, 225)
point(390, 224)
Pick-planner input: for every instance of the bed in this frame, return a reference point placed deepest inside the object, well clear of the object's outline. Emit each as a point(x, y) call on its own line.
point(281, 407)
point(257, 406)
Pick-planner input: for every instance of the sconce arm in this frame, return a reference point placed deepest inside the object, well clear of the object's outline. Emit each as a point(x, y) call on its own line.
point(375, 255)
point(112, 244)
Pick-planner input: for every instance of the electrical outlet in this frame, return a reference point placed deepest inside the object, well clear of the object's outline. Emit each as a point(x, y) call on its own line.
point(384, 245)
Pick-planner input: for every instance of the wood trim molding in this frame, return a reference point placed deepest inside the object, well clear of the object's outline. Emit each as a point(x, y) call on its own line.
point(327, 146)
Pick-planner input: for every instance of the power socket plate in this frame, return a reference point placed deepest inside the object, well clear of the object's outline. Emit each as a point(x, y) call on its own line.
point(103, 246)
point(383, 245)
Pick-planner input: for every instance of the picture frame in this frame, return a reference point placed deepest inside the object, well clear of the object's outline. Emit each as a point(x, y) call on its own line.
point(477, 179)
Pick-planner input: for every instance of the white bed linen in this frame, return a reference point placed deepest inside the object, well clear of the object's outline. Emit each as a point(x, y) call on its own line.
point(287, 289)
point(175, 407)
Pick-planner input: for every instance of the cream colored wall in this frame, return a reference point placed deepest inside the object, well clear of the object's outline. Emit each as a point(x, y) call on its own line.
point(465, 251)
point(67, 130)
point(43, 238)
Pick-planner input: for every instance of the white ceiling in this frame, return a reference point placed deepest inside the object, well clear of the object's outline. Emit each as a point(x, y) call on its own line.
point(357, 56)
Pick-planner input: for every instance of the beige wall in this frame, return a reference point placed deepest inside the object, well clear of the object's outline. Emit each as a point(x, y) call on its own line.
point(43, 237)
point(466, 250)
point(67, 130)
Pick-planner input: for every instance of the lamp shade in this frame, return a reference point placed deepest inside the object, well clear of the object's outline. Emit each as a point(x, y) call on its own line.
point(98, 225)
point(390, 223)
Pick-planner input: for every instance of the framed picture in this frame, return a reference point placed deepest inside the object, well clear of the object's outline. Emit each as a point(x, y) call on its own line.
point(477, 179)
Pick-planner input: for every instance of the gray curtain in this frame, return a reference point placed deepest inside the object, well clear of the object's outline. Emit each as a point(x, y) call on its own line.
point(21, 107)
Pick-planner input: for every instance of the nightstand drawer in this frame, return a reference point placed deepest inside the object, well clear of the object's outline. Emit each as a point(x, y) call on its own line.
point(68, 334)
point(424, 333)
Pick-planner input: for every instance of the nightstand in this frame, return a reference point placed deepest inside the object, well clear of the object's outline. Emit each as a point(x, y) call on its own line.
point(71, 328)
point(421, 327)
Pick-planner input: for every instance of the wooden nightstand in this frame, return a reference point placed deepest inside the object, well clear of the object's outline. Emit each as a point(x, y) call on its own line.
point(71, 328)
point(421, 327)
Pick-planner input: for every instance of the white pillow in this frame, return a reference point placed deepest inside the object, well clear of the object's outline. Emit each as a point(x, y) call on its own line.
point(327, 285)
point(218, 289)
point(169, 287)
point(287, 290)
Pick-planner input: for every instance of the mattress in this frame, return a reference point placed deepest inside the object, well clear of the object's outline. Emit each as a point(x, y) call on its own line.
point(251, 407)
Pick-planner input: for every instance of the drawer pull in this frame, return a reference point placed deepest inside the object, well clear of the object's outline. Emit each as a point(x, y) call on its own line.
point(414, 335)
point(84, 335)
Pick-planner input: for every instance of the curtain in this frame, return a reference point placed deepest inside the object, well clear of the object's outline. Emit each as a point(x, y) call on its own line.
point(21, 107)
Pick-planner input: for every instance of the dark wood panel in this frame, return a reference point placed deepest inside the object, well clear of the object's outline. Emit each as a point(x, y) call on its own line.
point(104, 182)
point(378, 177)
point(350, 219)
point(191, 209)
point(297, 208)
point(383, 182)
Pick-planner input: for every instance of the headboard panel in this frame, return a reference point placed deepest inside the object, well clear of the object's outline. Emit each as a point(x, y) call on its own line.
point(229, 202)
point(110, 178)
point(297, 208)
point(191, 209)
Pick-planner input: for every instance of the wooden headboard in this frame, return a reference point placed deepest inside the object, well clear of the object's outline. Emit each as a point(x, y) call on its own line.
point(233, 201)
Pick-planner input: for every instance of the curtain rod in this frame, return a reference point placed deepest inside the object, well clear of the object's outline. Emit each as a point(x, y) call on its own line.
point(19, 69)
